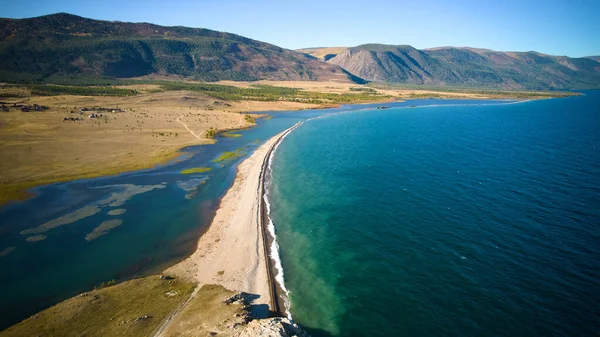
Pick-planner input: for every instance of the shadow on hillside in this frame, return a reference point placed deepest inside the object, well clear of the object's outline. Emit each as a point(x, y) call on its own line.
point(257, 310)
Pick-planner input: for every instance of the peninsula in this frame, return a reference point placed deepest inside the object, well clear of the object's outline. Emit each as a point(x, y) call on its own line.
point(232, 254)
point(83, 98)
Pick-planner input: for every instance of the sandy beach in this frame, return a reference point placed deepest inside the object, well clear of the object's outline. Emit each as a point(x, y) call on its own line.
point(232, 251)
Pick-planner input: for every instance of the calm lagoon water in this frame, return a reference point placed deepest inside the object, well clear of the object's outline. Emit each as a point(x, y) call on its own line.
point(455, 220)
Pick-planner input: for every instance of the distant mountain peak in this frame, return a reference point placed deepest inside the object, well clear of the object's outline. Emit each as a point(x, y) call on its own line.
point(468, 67)
point(64, 15)
point(382, 47)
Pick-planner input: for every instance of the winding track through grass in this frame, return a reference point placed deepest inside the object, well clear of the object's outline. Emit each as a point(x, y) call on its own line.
point(186, 127)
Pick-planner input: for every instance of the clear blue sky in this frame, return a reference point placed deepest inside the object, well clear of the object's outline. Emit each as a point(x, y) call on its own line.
point(549, 26)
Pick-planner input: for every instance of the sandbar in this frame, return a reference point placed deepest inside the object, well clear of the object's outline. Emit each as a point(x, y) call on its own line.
point(103, 229)
point(232, 251)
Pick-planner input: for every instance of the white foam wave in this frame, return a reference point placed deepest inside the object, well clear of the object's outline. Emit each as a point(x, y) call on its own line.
point(505, 102)
point(274, 254)
point(274, 249)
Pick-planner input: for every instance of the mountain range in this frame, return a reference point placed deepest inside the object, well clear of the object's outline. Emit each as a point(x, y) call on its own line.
point(65, 48)
point(466, 67)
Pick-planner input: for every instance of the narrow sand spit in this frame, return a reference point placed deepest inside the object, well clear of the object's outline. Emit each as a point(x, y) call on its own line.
point(231, 253)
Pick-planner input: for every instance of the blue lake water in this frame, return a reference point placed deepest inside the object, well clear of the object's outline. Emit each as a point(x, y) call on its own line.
point(382, 221)
point(456, 220)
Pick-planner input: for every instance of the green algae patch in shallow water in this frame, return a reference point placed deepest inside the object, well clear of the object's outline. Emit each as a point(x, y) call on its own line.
point(196, 170)
point(229, 155)
point(231, 135)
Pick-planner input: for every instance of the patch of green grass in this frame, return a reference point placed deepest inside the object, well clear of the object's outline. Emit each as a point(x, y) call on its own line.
point(106, 284)
point(196, 170)
point(54, 90)
point(249, 119)
point(132, 308)
point(369, 90)
point(267, 93)
point(211, 133)
point(229, 155)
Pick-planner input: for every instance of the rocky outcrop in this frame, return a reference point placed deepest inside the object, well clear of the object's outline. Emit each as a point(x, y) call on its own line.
point(247, 326)
point(271, 327)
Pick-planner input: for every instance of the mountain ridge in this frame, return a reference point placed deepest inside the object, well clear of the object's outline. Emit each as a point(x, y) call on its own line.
point(66, 48)
point(467, 66)
point(64, 45)
point(595, 58)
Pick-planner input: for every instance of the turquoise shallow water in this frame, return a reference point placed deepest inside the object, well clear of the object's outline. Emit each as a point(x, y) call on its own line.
point(443, 221)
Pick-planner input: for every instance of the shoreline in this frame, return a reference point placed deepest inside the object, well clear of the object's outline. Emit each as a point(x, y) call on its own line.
point(274, 287)
point(15, 192)
point(273, 261)
point(24, 188)
point(233, 252)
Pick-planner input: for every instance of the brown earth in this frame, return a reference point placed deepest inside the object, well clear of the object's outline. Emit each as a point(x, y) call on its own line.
point(39, 147)
point(320, 53)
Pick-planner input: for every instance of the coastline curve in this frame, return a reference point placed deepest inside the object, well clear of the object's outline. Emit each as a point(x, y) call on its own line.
point(279, 294)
